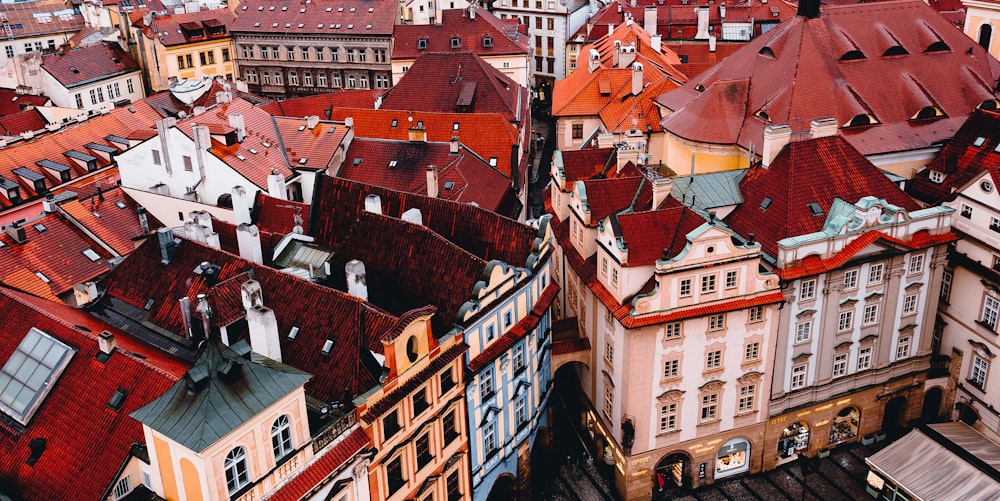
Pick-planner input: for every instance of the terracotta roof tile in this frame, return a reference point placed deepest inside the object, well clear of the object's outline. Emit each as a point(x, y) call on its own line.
point(171, 29)
point(814, 265)
point(89, 64)
point(647, 235)
point(167, 105)
point(317, 146)
point(11, 102)
point(398, 393)
point(29, 18)
point(113, 220)
point(22, 121)
point(587, 163)
point(607, 196)
point(961, 160)
point(456, 23)
point(319, 470)
point(321, 105)
point(278, 216)
point(517, 332)
point(320, 17)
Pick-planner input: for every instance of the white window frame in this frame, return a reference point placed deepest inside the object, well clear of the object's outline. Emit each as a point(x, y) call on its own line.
point(747, 401)
point(851, 279)
point(991, 311)
point(755, 314)
point(708, 283)
point(709, 407)
point(865, 358)
point(798, 379)
point(903, 347)
point(870, 315)
point(979, 371)
point(803, 331)
point(751, 352)
point(281, 437)
point(876, 273)
point(668, 417)
point(713, 360)
point(716, 322)
point(685, 287)
point(840, 365)
point(916, 264)
point(732, 279)
point(673, 330)
point(808, 290)
point(845, 321)
point(910, 304)
point(237, 470)
point(671, 368)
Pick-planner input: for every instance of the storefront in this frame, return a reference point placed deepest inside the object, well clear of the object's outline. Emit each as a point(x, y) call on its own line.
point(845, 426)
point(794, 440)
point(669, 474)
point(733, 458)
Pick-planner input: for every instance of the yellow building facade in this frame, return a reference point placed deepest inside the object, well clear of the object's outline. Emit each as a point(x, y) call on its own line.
point(185, 46)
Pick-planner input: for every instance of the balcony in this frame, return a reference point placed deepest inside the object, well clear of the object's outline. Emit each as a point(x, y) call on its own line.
point(940, 365)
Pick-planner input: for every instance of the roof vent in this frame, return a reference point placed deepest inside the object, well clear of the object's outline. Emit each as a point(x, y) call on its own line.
point(73, 69)
point(938, 46)
point(230, 371)
point(17, 232)
point(766, 52)
point(117, 399)
point(765, 203)
point(895, 50)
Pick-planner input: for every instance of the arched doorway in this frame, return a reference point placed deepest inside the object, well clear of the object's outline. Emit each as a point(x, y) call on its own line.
point(733, 457)
point(794, 441)
point(671, 475)
point(985, 33)
point(893, 416)
point(931, 411)
point(504, 489)
point(845, 425)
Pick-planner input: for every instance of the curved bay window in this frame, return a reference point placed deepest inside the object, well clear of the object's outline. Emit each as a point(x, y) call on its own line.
point(845, 425)
point(794, 440)
point(237, 474)
point(281, 438)
point(733, 458)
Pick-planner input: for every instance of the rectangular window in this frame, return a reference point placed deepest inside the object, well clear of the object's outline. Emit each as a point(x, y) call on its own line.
point(520, 414)
point(909, 304)
point(305, 53)
point(751, 352)
point(798, 376)
point(870, 315)
point(551, 24)
point(274, 53)
point(685, 289)
point(708, 283)
point(731, 277)
point(840, 365)
point(454, 490)
point(247, 51)
point(188, 165)
point(966, 211)
point(123, 487)
point(420, 403)
point(225, 55)
point(486, 384)
point(845, 321)
point(319, 53)
point(864, 358)
point(709, 407)
point(390, 424)
point(609, 352)
point(362, 55)
point(93, 96)
point(448, 426)
point(321, 79)
point(128, 83)
point(203, 58)
point(671, 369)
point(991, 310)
point(747, 400)
point(808, 290)
point(489, 439)
point(850, 279)
point(609, 401)
point(577, 131)
point(447, 381)
point(79, 101)
point(673, 330)
point(803, 331)
point(755, 314)
point(394, 475)
point(946, 286)
point(875, 274)
point(980, 368)
point(180, 62)
point(614, 276)
point(307, 79)
point(293, 78)
point(717, 322)
point(517, 358)
point(713, 360)
point(380, 55)
point(111, 92)
point(916, 264)
point(100, 94)
point(604, 266)
point(995, 224)
point(10, 51)
point(903, 347)
point(189, 60)
point(668, 417)
point(423, 446)
point(156, 157)
point(335, 54)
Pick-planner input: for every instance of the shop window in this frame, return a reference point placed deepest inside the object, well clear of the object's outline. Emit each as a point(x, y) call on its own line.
point(732, 458)
point(794, 440)
point(845, 425)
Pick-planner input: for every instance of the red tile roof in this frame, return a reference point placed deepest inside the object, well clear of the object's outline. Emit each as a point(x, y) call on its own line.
point(663, 61)
point(116, 226)
point(11, 102)
point(490, 135)
point(814, 265)
point(961, 160)
point(169, 106)
point(402, 166)
point(93, 63)
point(811, 171)
point(805, 69)
point(324, 105)
point(587, 163)
point(320, 313)
point(278, 216)
point(696, 58)
point(22, 121)
point(319, 471)
point(648, 235)
point(437, 81)
point(607, 196)
point(317, 146)
point(518, 331)
point(321, 17)
point(456, 23)
point(56, 252)
point(28, 18)
point(86, 442)
point(170, 29)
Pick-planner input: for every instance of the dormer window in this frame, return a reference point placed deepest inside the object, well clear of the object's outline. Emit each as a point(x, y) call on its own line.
point(928, 113)
point(487, 41)
point(936, 176)
point(989, 104)
point(422, 44)
point(853, 55)
point(861, 120)
point(456, 42)
point(895, 50)
point(938, 46)
point(762, 114)
point(766, 52)
point(979, 141)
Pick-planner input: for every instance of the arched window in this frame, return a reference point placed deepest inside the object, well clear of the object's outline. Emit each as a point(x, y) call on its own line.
point(281, 438)
point(985, 33)
point(237, 475)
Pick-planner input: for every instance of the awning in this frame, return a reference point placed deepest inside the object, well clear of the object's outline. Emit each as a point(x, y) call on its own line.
point(928, 470)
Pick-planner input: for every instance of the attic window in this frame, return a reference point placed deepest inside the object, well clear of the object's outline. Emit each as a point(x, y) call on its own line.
point(258, 8)
point(294, 332)
point(357, 161)
point(765, 203)
point(354, 9)
point(265, 144)
point(327, 346)
point(117, 399)
point(350, 26)
point(368, 26)
point(149, 304)
point(861, 121)
point(301, 25)
point(256, 25)
point(30, 373)
point(120, 204)
point(762, 114)
point(284, 9)
point(699, 87)
point(853, 55)
point(371, 9)
point(936, 177)
point(487, 41)
point(815, 209)
point(927, 113)
point(91, 255)
point(241, 157)
point(989, 104)
point(938, 46)
point(766, 52)
point(493, 161)
point(302, 128)
point(422, 43)
point(997, 148)
point(895, 50)
point(395, 122)
point(449, 185)
point(393, 164)
point(40, 227)
point(302, 10)
point(329, 9)
point(454, 126)
point(456, 42)
point(340, 9)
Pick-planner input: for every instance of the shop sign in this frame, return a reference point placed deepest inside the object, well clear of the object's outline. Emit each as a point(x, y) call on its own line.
point(701, 470)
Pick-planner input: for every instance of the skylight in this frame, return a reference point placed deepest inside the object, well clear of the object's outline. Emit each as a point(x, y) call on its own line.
point(40, 227)
point(294, 332)
point(327, 346)
point(815, 209)
point(979, 141)
point(303, 160)
point(449, 185)
point(42, 277)
point(30, 372)
point(357, 161)
point(91, 255)
point(765, 203)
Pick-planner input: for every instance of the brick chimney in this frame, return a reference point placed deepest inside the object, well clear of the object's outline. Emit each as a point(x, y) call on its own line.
point(417, 134)
point(263, 327)
point(357, 284)
point(432, 181)
point(248, 240)
point(775, 138)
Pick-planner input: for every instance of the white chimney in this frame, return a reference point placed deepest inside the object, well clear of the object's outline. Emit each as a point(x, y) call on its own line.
point(106, 342)
point(49, 204)
point(357, 284)
point(312, 121)
point(722, 11)
point(203, 218)
point(413, 216)
point(91, 289)
point(276, 186)
point(143, 220)
point(212, 240)
point(595, 60)
point(637, 83)
point(661, 190)
point(263, 327)
point(194, 231)
point(611, 27)
point(823, 127)
point(202, 142)
point(616, 49)
point(472, 12)
point(236, 121)
point(223, 97)
point(627, 56)
point(649, 19)
point(702, 33)
point(373, 203)
point(252, 294)
point(453, 145)
point(162, 131)
point(241, 205)
point(248, 241)
point(432, 181)
point(775, 138)
point(711, 43)
point(656, 43)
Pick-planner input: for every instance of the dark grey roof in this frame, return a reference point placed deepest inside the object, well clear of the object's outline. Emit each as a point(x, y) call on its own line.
point(717, 189)
point(101, 147)
point(206, 404)
point(80, 156)
point(49, 164)
point(28, 174)
point(7, 183)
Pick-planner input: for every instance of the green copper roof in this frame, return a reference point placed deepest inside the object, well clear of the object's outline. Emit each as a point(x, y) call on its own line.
point(223, 390)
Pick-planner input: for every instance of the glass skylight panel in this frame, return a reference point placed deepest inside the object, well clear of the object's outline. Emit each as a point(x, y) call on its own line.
point(30, 372)
point(979, 141)
point(91, 255)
